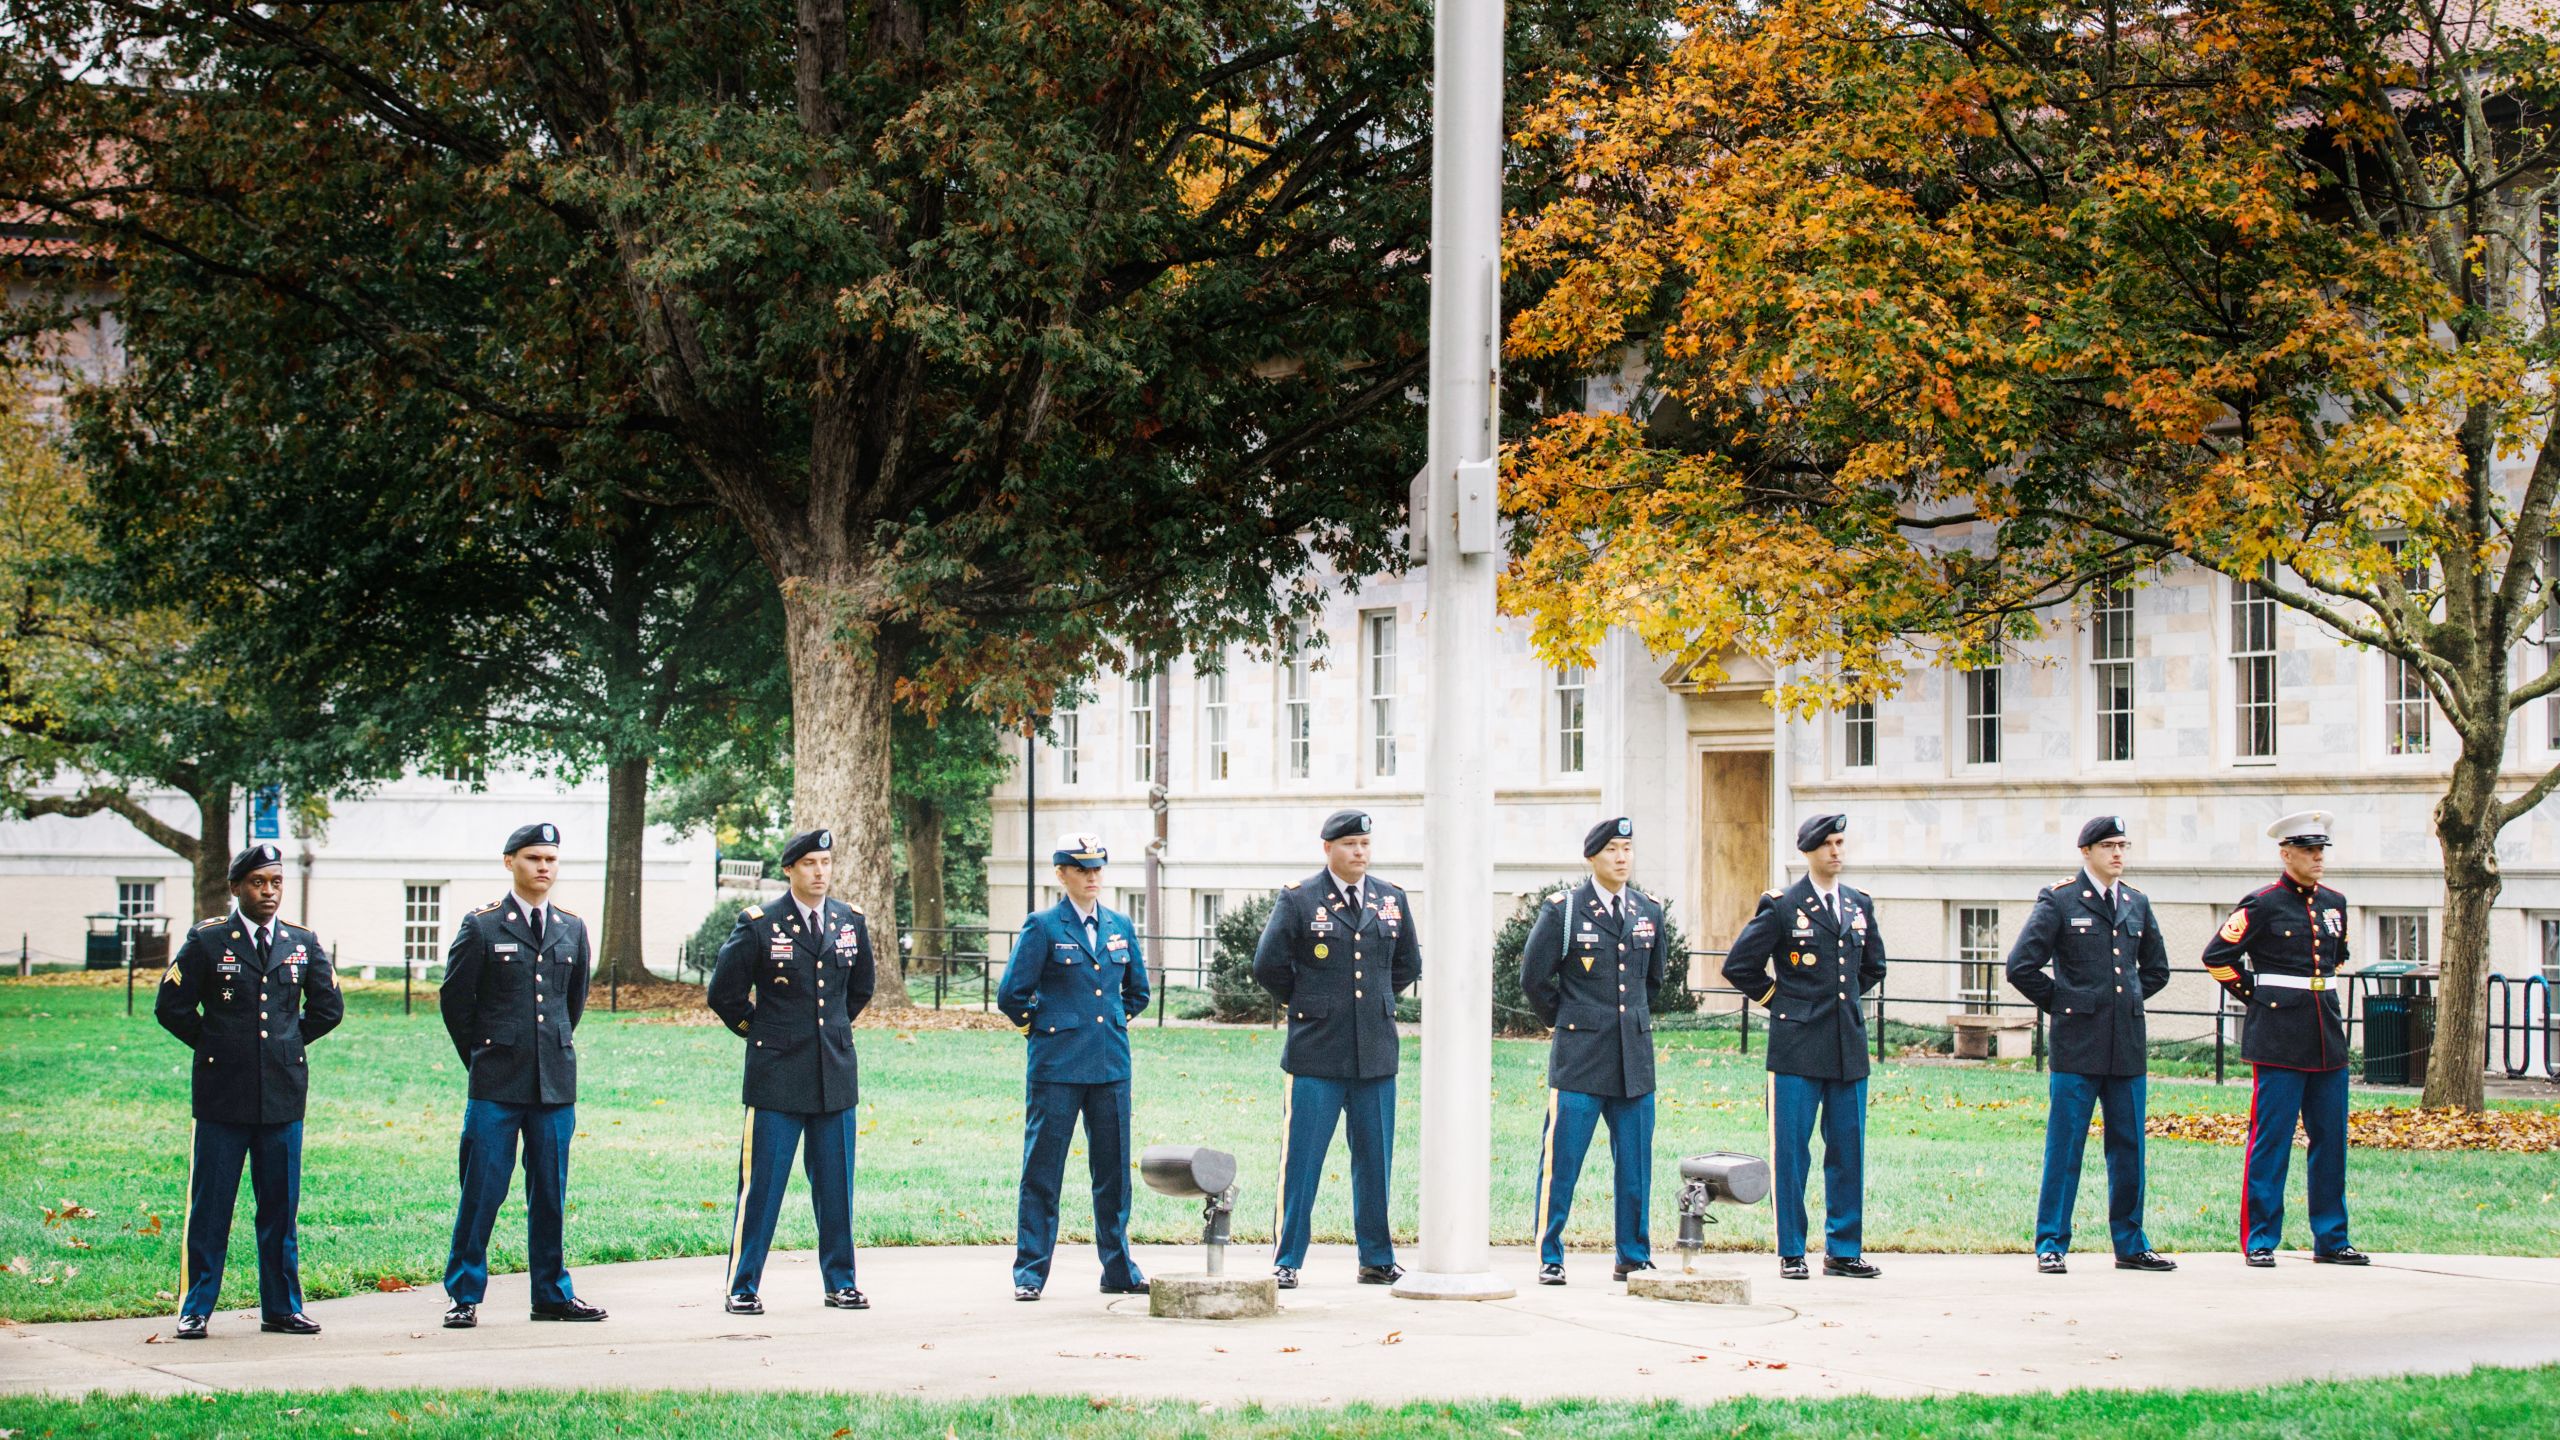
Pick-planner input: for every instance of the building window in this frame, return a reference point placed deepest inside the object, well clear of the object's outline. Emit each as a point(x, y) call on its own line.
point(1213, 722)
point(137, 898)
point(1378, 636)
point(1070, 746)
point(2406, 711)
point(421, 923)
point(1858, 735)
point(1982, 716)
point(2253, 671)
point(2401, 937)
point(1569, 720)
point(1133, 903)
point(1978, 951)
point(1142, 728)
point(468, 770)
point(1213, 904)
point(2111, 668)
point(2551, 952)
point(1297, 713)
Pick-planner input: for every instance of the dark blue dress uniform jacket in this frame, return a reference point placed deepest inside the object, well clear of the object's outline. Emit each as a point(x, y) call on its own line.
point(1595, 982)
point(2105, 964)
point(2286, 929)
point(512, 1008)
point(248, 1021)
point(1338, 981)
point(793, 995)
point(1073, 1000)
point(1816, 1027)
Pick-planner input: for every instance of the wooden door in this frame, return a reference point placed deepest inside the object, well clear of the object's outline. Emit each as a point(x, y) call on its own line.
point(1733, 812)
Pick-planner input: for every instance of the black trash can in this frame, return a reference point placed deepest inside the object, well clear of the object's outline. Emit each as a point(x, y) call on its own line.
point(2386, 1039)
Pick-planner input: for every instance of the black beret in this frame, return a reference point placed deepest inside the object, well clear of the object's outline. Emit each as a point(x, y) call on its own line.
point(2105, 827)
point(532, 835)
point(256, 857)
point(1597, 838)
point(1811, 834)
point(1080, 852)
point(807, 842)
point(1343, 823)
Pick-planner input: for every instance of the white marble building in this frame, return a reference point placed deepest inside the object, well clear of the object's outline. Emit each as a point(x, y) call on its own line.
point(2197, 711)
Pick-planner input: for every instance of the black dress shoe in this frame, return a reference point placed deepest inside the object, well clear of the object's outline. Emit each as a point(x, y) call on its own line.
point(1284, 1276)
point(572, 1308)
point(2343, 1255)
point(191, 1327)
point(1550, 1274)
point(745, 1305)
point(296, 1323)
point(461, 1315)
point(1026, 1292)
point(1386, 1274)
point(1853, 1267)
point(1792, 1267)
point(2150, 1260)
point(1135, 1287)
point(2050, 1262)
point(1621, 1272)
point(2261, 1259)
point(848, 1299)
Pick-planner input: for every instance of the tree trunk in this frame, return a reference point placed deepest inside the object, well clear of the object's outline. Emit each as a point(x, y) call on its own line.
point(840, 713)
point(626, 826)
point(929, 907)
point(213, 851)
point(2467, 831)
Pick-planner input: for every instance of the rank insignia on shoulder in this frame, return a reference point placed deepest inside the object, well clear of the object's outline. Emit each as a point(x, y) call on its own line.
point(209, 924)
point(749, 913)
point(1774, 894)
point(2235, 927)
point(1559, 897)
point(1290, 885)
point(485, 909)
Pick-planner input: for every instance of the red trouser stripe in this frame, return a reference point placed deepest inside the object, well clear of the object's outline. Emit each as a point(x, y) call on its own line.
point(2247, 1149)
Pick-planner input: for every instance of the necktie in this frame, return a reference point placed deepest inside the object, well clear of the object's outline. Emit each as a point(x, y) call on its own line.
point(812, 917)
point(534, 918)
point(1831, 907)
point(1616, 916)
point(266, 948)
point(1093, 932)
point(1351, 902)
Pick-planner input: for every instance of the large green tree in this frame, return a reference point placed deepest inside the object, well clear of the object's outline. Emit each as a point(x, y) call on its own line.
point(1010, 335)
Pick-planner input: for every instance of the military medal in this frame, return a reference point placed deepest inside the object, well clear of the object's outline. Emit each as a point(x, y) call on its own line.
point(1321, 951)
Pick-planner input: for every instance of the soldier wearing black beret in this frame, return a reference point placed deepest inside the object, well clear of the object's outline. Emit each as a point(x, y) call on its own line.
point(790, 979)
point(1339, 948)
point(515, 986)
point(247, 992)
point(1596, 960)
point(1821, 937)
point(2098, 937)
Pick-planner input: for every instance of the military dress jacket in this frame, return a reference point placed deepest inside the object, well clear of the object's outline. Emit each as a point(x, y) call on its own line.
point(793, 993)
point(247, 1020)
point(2104, 962)
point(1822, 965)
point(1337, 975)
point(512, 1006)
point(1074, 999)
point(2279, 954)
point(1594, 981)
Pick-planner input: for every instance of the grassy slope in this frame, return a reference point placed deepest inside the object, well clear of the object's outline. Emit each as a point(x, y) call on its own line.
point(93, 1109)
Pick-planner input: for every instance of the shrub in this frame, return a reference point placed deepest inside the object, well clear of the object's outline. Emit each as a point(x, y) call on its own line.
point(1233, 995)
point(1511, 1012)
point(703, 950)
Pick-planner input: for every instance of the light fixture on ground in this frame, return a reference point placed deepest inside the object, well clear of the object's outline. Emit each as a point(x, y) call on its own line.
point(1724, 1177)
point(1195, 1172)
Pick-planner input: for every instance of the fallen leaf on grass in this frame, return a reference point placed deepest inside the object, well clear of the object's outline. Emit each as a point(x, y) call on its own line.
point(71, 1210)
point(840, 1432)
point(393, 1285)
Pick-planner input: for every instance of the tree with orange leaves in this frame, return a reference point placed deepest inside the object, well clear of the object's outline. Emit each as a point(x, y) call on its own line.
point(1950, 310)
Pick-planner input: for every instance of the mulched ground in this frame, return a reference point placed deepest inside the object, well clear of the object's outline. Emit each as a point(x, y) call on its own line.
point(2397, 1128)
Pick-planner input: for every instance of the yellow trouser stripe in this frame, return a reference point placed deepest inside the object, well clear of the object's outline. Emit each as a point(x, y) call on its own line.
point(738, 1225)
point(1546, 1168)
point(186, 1227)
point(1280, 1191)
point(1769, 1105)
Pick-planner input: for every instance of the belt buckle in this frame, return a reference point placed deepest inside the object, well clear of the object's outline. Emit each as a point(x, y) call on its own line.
point(2319, 982)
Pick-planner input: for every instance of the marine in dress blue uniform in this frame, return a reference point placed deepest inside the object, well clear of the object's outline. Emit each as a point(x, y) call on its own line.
point(1595, 962)
point(2279, 954)
point(1339, 948)
point(790, 980)
point(1821, 940)
point(515, 985)
point(1076, 977)
point(247, 993)
point(2089, 955)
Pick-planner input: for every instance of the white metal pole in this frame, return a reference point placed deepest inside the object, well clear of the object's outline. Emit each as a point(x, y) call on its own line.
point(1457, 796)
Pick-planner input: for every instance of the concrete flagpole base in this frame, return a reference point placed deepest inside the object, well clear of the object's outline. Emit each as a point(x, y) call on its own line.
point(1479, 1285)
point(1697, 1287)
point(1212, 1297)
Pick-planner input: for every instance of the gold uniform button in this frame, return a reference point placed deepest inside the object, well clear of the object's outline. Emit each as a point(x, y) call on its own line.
point(1359, 994)
point(1355, 974)
point(1622, 1009)
point(1097, 994)
point(262, 1034)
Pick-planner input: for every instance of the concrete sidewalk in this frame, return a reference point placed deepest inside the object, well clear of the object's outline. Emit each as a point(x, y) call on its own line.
point(945, 1325)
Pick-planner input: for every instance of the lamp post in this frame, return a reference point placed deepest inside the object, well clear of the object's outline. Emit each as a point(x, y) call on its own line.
point(1458, 530)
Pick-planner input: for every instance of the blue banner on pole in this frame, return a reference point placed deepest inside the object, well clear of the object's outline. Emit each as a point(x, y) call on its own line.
point(266, 813)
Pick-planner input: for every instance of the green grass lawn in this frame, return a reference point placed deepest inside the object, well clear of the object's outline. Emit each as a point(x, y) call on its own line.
point(2484, 1402)
point(93, 1110)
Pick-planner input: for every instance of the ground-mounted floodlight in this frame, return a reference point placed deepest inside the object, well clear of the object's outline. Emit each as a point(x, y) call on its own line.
point(1720, 1177)
point(1196, 1172)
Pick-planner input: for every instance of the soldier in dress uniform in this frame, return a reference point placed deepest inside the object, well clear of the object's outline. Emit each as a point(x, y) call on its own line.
point(515, 985)
point(1822, 938)
point(2279, 954)
point(1339, 948)
point(1075, 979)
point(1593, 966)
point(790, 979)
point(2100, 940)
point(247, 992)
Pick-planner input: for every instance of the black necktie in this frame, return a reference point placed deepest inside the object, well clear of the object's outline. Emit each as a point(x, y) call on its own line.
point(1093, 932)
point(1831, 907)
point(266, 946)
point(1351, 905)
point(533, 917)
